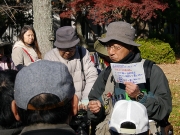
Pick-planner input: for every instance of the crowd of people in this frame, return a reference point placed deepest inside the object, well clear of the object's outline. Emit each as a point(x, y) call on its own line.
point(43, 95)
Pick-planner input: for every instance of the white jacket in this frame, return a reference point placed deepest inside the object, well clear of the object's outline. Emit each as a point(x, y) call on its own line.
point(74, 65)
point(19, 56)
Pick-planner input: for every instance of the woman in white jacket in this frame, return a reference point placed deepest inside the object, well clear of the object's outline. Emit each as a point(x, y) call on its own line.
point(26, 50)
point(76, 58)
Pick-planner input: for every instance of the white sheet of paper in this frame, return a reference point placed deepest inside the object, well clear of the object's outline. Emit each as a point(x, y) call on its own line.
point(133, 72)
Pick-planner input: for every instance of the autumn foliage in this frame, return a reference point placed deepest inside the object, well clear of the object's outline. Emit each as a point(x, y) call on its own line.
point(111, 10)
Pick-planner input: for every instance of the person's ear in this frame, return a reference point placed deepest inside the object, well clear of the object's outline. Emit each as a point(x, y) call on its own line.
point(75, 102)
point(14, 110)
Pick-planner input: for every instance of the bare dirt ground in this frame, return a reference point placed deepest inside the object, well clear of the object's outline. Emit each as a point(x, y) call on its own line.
point(172, 71)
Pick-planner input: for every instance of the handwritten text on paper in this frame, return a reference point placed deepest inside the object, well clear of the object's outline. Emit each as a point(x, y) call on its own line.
point(133, 72)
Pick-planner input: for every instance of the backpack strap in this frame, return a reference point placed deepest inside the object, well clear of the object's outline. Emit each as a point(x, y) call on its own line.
point(147, 70)
point(96, 59)
point(81, 60)
point(147, 67)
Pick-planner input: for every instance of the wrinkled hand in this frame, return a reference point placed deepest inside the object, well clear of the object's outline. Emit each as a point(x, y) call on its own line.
point(82, 106)
point(131, 89)
point(94, 106)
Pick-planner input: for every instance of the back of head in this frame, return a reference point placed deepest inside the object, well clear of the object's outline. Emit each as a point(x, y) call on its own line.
point(7, 79)
point(129, 117)
point(43, 92)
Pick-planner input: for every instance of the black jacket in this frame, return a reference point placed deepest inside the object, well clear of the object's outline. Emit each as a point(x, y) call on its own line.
point(13, 131)
point(48, 129)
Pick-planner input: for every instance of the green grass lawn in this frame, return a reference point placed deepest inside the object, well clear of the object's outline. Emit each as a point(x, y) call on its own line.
point(175, 115)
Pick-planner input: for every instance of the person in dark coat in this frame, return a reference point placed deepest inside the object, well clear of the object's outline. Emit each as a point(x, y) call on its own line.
point(154, 94)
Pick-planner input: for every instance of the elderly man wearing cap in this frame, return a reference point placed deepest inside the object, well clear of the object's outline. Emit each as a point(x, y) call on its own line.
point(129, 117)
point(155, 94)
point(45, 99)
point(76, 58)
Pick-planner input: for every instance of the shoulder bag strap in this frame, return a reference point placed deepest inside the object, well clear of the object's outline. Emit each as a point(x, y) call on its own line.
point(28, 54)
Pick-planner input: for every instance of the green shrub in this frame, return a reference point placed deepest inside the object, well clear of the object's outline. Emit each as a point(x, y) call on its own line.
point(168, 38)
point(156, 50)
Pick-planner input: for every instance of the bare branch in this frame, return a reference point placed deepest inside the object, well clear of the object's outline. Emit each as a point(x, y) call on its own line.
point(9, 10)
point(9, 15)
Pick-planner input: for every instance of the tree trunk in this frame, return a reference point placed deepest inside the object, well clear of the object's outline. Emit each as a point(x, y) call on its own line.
point(42, 13)
point(142, 28)
point(79, 32)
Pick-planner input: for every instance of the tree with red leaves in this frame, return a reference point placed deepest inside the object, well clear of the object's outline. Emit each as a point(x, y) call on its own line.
point(136, 12)
point(105, 11)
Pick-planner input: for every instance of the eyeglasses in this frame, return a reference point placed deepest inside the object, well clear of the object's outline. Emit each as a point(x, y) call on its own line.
point(114, 47)
point(67, 49)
